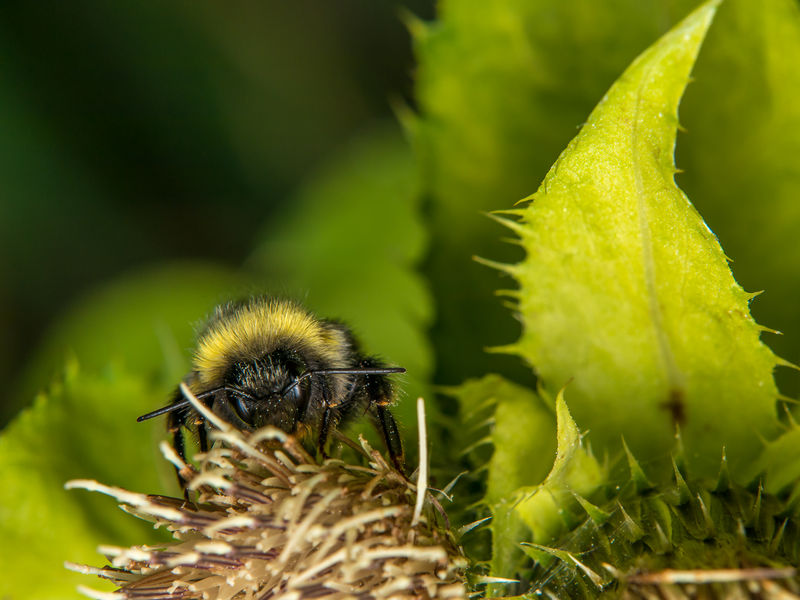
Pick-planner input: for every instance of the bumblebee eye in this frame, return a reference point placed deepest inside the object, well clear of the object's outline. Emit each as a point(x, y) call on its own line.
point(244, 409)
point(293, 392)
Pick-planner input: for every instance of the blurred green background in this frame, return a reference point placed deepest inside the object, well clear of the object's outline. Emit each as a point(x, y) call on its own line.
point(139, 133)
point(158, 158)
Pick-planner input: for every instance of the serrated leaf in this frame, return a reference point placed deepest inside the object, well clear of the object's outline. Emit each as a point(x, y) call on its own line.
point(519, 427)
point(779, 463)
point(575, 471)
point(349, 249)
point(540, 513)
point(73, 431)
point(741, 158)
point(85, 426)
point(627, 297)
point(522, 436)
point(501, 87)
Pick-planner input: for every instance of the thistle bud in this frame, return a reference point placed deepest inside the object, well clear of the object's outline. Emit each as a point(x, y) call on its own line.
point(270, 522)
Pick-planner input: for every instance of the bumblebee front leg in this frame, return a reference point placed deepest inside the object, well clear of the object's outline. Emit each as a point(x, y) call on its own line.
point(391, 435)
point(329, 419)
point(325, 431)
point(379, 395)
point(175, 423)
point(202, 435)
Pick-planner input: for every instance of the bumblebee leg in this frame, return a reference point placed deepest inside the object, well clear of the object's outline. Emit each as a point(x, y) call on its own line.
point(176, 421)
point(324, 431)
point(202, 435)
point(379, 393)
point(391, 436)
point(327, 418)
point(175, 427)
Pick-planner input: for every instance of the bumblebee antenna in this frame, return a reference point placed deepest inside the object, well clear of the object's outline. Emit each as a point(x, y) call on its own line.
point(162, 411)
point(361, 371)
point(185, 402)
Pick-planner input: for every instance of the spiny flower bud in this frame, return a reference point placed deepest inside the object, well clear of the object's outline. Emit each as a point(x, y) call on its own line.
point(269, 522)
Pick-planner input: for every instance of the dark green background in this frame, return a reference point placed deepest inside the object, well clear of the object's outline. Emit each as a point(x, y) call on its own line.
point(134, 133)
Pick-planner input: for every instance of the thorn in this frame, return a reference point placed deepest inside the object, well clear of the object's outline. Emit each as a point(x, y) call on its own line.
point(471, 526)
point(596, 514)
point(512, 241)
point(449, 487)
point(504, 267)
point(506, 349)
point(477, 411)
point(485, 441)
point(630, 528)
point(789, 416)
point(663, 544)
point(593, 576)
point(740, 530)
point(640, 481)
point(484, 468)
point(488, 422)
point(517, 213)
point(723, 479)
point(776, 540)
point(511, 294)
point(684, 494)
point(519, 228)
point(768, 329)
point(757, 506)
point(567, 558)
point(416, 27)
point(707, 521)
point(782, 362)
point(790, 504)
point(530, 198)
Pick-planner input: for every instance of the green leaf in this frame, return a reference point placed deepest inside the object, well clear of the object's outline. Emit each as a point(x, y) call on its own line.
point(627, 298)
point(501, 88)
point(84, 427)
point(539, 513)
point(349, 249)
point(527, 503)
point(741, 158)
point(575, 471)
point(522, 437)
point(779, 464)
point(523, 441)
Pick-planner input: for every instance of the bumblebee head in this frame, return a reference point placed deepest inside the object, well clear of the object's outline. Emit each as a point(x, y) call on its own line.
point(263, 361)
point(270, 390)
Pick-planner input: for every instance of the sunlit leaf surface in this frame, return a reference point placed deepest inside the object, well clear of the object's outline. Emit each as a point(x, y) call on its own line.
point(627, 298)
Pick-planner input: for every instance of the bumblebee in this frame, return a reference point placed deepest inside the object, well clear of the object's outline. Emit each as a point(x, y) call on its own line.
point(266, 361)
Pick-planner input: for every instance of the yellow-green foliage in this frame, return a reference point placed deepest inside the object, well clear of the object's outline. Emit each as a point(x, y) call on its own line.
point(629, 306)
point(68, 433)
point(133, 340)
point(626, 296)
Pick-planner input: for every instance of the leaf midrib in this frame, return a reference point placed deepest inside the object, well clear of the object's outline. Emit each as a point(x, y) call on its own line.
point(675, 378)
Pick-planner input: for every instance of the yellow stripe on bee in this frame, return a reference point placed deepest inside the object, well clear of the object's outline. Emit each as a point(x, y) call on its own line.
point(256, 329)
